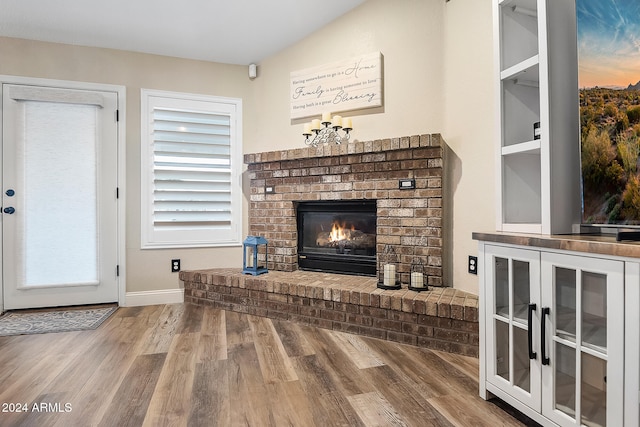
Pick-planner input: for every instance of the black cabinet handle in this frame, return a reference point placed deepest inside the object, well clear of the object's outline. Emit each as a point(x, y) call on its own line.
point(532, 354)
point(545, 313)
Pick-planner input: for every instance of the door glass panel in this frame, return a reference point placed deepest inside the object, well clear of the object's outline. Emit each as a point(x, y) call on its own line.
point(502, 286)
point(565, 379)
point(594, 311)
point(594, 391)
point(521, 287)
point(565, 286)
point(521, 372)
point(502, 349)
point(58, 213)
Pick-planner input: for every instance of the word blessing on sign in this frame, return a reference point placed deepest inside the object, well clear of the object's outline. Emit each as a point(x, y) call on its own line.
point(351, 84)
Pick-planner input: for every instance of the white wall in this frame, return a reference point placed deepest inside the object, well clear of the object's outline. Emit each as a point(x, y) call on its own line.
point(409, 33)
point(469, 128)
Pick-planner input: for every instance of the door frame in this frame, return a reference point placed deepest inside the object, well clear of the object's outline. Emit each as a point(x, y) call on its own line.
point(121, 156)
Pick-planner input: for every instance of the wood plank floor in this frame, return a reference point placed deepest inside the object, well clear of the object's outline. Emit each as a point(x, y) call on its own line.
point(187, 365)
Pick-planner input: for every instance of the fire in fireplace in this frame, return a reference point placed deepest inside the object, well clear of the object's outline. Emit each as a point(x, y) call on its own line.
point(337, 236)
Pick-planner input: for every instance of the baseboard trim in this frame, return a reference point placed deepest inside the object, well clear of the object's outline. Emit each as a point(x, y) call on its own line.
point(165, 296)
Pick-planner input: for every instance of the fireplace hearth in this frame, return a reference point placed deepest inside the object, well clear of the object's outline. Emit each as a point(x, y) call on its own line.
point(337, 236)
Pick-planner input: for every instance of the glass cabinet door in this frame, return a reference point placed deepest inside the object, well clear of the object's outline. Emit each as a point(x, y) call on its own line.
point(582, 340)
point(512, 322)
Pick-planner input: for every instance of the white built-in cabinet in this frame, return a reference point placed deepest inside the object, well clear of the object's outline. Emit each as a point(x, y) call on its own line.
point(538, 184)
point(559, 334)
point(559, 326)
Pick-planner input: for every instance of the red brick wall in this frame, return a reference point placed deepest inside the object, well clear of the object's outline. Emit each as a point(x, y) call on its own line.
point(408, 220)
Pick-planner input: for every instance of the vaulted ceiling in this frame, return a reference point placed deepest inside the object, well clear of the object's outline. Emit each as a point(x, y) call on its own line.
point(227, 31)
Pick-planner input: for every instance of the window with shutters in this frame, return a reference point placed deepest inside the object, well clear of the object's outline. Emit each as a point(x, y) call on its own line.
point(191, 168)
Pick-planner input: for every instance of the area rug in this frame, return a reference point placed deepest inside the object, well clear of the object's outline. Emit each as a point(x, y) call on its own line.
point(42, 322)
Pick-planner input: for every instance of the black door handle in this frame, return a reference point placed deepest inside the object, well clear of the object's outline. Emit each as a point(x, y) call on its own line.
point(9, 210)
point(532, 354)
point(545, 313)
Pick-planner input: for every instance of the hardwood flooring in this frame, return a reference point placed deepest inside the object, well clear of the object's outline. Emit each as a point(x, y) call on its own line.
point(188, 365)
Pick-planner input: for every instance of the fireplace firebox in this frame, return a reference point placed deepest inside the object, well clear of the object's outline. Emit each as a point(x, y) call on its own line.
point(337, 236)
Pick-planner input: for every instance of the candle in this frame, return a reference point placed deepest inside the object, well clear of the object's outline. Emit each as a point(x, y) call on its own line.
point(307, 129)
point(389, 275)
point(315, 124)
point(417, 280)
point(336, 121)
point(326, 117)
point(346, 123)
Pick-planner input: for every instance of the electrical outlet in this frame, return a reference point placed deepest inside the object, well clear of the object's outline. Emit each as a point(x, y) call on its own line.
point(175, 265)
point(473, 264)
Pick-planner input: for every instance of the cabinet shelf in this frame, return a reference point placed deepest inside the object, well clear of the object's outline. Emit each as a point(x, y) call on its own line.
point(530, 147)
point(502, 314)
point(519, 315)
point(592, 348)
point(527, 71)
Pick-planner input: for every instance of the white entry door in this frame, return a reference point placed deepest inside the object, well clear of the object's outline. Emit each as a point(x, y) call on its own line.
point(59, 196)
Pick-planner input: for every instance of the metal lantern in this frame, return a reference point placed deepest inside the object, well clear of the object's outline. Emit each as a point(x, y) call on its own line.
point(418, 280)
point(388, 269)
point(254, 255)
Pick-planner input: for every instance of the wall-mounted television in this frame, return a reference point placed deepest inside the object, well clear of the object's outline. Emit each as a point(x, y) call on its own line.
point(609, 80)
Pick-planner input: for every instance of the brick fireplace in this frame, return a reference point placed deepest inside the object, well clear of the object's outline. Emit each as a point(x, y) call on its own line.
point(409, 220)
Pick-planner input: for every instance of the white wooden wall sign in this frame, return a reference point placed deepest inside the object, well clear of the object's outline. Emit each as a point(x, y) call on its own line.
point(350, 84)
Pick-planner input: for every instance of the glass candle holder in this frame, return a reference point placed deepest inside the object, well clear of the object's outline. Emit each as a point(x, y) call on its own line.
point(388, 269)
point(418, 280)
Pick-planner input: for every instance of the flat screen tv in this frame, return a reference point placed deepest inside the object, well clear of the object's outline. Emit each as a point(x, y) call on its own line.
point(609, 80)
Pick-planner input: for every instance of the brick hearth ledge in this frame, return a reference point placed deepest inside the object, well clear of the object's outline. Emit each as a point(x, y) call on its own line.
point(441, 318)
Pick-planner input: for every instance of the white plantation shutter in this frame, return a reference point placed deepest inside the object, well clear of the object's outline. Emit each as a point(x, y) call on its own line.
point(192, 169)
point(192, 191)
